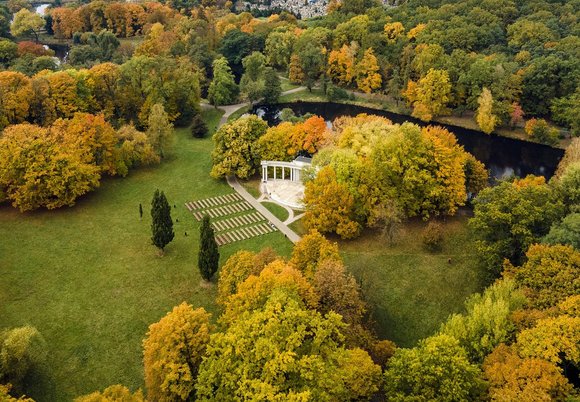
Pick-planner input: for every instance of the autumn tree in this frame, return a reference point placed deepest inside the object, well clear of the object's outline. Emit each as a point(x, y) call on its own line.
point(38, 170)
point(173, 351)
point(309, 135)
point(135, 149)
point(329, 206)
point(111, 394)
point(341, 64)
point(21, 350)
point(311, 250)
point(367, 72)
point(15, 95)
point(95, 136)
point(313, 366)
point(161, 222)
point(26, 22)
point(223, 90)
point(105, 78)
point(541, 131)
point(208, 256)
point(549, 274)
point(274, 144)
point(235, 147)
point(485, 118)
point(159, 129)
point(238, 268)
point(511, 216)
point(512, 378)
point(430, 96)
point(252, 293)
point(295, 73)
point(437, 369)
point(554, 339)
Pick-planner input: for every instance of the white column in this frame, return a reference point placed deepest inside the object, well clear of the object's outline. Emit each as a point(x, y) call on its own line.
point(264, 174)
point(274, 172)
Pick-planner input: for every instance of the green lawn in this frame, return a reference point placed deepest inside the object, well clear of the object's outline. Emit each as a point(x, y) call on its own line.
point(410, 291)
point(88, 278)
point(278, 211)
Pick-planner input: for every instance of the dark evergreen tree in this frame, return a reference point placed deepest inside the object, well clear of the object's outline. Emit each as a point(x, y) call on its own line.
point(209, 256)
point(272, 86)
point(198, 127)
point(161, 225)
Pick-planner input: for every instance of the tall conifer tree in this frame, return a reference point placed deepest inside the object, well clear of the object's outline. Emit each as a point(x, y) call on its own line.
point(209, 256)
point(161, 225)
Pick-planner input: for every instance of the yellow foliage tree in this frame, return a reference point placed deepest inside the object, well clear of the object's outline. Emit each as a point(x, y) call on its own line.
point(253, 293)
point(238, 268)
point(15, 94)
point(311, 250)
point(172, 353)
point(513, 379)
point(329, 206)
point(367, 72)
point(485, 118)
point(430, 96)
point(393, 31)
point(295, 73)
point(114, 393)
point(341, 64)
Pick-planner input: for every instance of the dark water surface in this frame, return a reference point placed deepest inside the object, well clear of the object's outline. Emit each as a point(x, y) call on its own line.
point(503, 156)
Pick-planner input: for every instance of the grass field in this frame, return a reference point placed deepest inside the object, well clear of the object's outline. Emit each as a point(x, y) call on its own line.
point(278, 211)
point(88, 278)
point(411, 291)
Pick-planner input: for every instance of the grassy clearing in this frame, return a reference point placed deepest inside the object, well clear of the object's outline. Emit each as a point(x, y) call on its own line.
point(410, 291)
point(286, 85)
point(88, 278)
point(278, 211)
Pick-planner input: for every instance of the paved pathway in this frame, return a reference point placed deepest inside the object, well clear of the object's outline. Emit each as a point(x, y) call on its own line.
point(230, 109)
point(289, 233)
point(233, 181)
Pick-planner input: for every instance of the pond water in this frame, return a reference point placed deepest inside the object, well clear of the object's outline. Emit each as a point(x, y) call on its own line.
point(503, 156)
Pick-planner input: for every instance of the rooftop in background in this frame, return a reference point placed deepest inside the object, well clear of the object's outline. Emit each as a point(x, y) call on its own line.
point(303, 160)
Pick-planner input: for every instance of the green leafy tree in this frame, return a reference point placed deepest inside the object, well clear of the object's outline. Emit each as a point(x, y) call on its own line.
point(198, 127)
point(235, 150)
point(272, 86)
point(173, 351)
point(511, 216)
point(487, 322)
point(209, 256)
point(27, 22)
point(252, 81)
point(223, 90)
point(436, 370)
point(565, 232)
point(283, 351)
point(161, 224)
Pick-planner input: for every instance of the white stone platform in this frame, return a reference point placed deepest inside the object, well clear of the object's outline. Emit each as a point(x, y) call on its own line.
point(285, 192)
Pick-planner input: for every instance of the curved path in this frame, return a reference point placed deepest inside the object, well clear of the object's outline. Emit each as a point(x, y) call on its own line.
point(289, 233)
point(235, 184)
point(231, 109)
